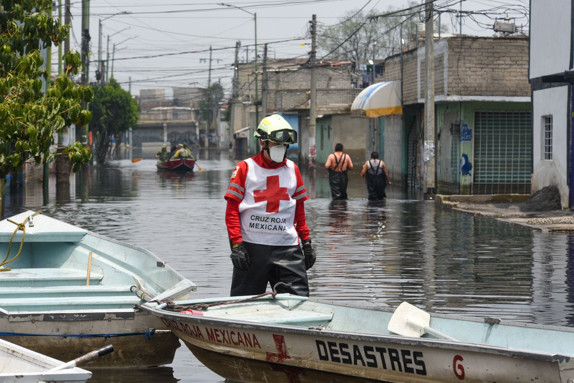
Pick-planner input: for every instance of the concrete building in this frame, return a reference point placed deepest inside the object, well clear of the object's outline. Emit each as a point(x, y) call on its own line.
point(284, 87)
point(483, 141)
point(483, 123)
point(170, 120)
point(551, 77)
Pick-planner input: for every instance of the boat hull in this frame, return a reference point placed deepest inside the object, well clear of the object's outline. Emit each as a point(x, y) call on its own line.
point(19, 364)
point(312, 344)
point(178, 165)
point(138, 338)
point(70, 291)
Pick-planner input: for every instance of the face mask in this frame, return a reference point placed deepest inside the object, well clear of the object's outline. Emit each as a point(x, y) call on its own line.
point(277, 153)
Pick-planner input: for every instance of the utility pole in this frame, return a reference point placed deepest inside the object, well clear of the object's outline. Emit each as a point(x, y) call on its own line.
point(210, 59)
point(235, 94)
point(68, 21)
point(429, 128)
point(211, 99)
point(235, 90)
point(313, 95)
point(209, 75)
point(264, 83)
point(60, 69)
point(83, 131)
point(62, 162)
point(256, 74)
point(85, 42)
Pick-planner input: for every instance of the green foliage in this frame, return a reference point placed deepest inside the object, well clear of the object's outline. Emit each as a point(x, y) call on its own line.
point(210, 102)
point(114, 112)
point(30, 115)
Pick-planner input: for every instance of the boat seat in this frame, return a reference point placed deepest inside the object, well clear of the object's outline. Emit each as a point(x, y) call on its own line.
point(43, 277)
point(62, 291)
point(301, 318)
point(12, 305)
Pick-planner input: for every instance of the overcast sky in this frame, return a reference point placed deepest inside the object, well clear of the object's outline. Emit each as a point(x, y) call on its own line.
point(166, 44)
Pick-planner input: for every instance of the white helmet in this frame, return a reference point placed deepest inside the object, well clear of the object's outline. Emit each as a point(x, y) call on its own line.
point(275, 128)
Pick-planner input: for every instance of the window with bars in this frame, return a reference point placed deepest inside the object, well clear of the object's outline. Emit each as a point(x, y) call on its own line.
point(502, 152)
point(547, 129)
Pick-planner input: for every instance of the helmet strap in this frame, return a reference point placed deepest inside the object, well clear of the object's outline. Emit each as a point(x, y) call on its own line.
point(266, 148)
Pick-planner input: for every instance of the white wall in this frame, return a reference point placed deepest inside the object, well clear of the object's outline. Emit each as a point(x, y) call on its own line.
point(554, 102)
point(550, 36)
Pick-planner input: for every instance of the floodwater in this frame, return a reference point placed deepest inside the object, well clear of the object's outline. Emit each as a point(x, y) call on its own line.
point(369, 254)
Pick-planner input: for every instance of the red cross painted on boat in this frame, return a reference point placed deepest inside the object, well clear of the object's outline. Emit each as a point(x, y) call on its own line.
point(273, 194)
point(281, 354)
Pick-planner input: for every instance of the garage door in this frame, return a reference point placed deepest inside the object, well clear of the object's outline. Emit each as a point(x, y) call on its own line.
point(502, 152)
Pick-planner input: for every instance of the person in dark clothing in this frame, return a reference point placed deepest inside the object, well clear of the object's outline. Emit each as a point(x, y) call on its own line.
point(377, 177)
point(265, 217)
point(338, 163)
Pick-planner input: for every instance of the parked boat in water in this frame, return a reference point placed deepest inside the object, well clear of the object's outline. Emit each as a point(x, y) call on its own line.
point(19, 364)
point(297, 332)
point(65, 291)
point(177, 165)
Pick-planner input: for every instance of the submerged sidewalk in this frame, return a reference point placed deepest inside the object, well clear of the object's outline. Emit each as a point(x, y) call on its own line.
point(538, 212)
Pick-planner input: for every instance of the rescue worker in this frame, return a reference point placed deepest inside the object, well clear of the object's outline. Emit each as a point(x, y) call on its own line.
point(163, 154)
point(377, 177)
point(182, 152)
point(178, 152)
point(338, 163)
point(187, 153)
point(265, 217)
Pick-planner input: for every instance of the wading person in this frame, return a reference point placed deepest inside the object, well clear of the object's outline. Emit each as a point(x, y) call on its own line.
point(265, 217)
point(338, 163)
point(376, 176)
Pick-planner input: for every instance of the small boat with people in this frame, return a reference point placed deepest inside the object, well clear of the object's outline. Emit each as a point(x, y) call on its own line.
point(403, 345)
point(177, 165)
point(180, 160)
point(65, 291)
point(19, 364)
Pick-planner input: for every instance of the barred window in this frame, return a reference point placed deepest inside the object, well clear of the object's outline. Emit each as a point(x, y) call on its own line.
point(547, 129)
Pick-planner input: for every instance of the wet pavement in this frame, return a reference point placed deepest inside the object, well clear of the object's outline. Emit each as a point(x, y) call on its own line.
point(509, 209)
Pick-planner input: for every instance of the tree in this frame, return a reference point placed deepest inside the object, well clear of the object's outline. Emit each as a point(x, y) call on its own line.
point(29, 113)
point(210, 103)
point(359, 37)
point(114, 112)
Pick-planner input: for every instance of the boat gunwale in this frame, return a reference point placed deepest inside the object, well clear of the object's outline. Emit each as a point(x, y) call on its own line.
point(365, 337)
point(181, 167)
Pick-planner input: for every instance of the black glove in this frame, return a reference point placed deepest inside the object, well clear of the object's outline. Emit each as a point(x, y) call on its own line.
point(239, 256)
point(309, 254)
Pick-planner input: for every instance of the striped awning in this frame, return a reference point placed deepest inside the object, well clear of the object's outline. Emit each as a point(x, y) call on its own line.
point(378, 100)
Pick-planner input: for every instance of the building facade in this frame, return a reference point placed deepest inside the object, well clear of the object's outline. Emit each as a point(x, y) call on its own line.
point(551, 78)
point(483, 130)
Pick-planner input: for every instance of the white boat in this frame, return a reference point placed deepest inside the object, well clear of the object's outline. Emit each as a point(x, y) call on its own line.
point(21, 365)
point(406, 345)
point(65, 291)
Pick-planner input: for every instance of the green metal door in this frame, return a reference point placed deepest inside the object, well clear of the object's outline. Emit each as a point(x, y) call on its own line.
point(502, 152)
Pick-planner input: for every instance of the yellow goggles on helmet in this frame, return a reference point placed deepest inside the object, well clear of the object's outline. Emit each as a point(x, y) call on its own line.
point(281, 136)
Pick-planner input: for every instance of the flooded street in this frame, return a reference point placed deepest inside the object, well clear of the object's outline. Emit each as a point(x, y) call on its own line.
point(369, 254)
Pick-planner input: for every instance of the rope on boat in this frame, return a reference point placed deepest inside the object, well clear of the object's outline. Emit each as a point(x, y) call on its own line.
point(19, 226)
point(171, 306)
point(148, 334)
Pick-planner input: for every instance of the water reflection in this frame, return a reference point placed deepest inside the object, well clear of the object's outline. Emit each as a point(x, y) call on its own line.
point(140, 375)
point(370, 253)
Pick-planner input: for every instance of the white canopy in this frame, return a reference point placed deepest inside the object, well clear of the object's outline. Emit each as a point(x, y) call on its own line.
point(377, 100)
